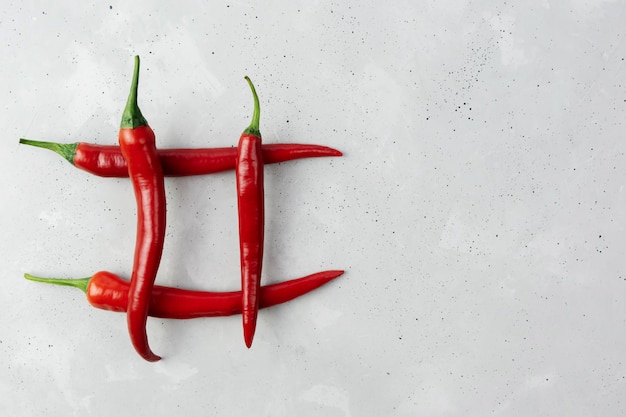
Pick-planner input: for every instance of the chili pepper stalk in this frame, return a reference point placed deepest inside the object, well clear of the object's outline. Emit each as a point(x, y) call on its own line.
point(138, 145)
point(251, 208)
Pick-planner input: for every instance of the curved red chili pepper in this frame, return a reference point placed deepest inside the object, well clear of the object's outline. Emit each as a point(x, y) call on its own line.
point(108, 161)
point(250, 202)
point(108, 291)
point(137, 143)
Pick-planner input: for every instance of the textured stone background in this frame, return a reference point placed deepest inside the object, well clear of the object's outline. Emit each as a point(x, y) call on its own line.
point(479, 210)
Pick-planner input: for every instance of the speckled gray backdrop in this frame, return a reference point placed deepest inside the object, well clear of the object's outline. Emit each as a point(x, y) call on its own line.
point(479, 210)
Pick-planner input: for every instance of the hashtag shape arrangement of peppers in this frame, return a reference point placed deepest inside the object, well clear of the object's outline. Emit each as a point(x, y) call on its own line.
point(251, 207)
point(108, 291)
point(137, 143)
point(108, 161)
point(138, 158)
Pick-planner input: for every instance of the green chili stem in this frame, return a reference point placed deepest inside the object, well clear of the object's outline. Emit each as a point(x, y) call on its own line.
point(66, 150)
point(253, 129)
point(80, 283)
point(132, 117)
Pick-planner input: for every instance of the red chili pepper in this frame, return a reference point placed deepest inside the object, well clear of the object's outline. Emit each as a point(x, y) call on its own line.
point(108, 291)
point(250, 202)
point(107, 161)
point(137, 143)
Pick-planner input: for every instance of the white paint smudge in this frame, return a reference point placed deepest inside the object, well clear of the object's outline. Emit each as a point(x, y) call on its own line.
point(328, 396)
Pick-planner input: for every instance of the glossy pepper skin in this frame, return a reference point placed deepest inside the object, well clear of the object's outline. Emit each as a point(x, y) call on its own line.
point(108, 161)
point(251, 210)
point(108, 291)
point(137, 143)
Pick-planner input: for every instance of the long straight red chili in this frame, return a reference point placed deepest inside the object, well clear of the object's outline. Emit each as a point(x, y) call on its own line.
point(108, 291)
point(108, 161)
point(250, 202)
point(137, 143)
